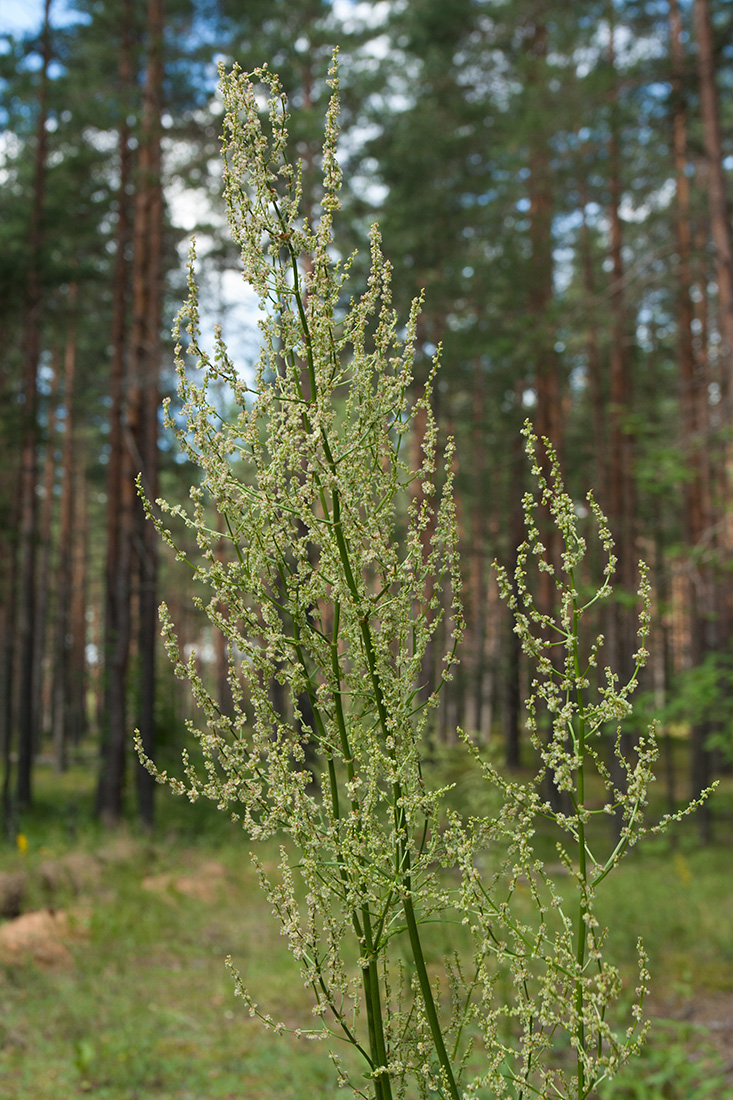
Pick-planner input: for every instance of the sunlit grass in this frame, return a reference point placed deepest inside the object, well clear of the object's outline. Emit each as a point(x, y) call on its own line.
point(148, 1008)
point(148, 1011)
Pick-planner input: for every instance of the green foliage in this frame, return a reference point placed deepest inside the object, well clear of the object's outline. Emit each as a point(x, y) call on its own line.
point(676, 1064)
point(342, 562)
point(703, 695)
point(148, 1007)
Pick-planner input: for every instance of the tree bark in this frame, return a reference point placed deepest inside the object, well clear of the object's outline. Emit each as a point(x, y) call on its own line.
point(28, 674)
point(42, 700)
point(621, 620)
point(541, 290)
point(720, 224)
point(593, 353)
point(548, 419)
point(713, 609)
point(77, 708)
point(620, 487)
point(691, 380)
point(63, 636)
point(476, 603)
point(690, 376)
point(120, 489)
point(513, 690)
point(8, 620)
point(144, 398)
point(545, 360)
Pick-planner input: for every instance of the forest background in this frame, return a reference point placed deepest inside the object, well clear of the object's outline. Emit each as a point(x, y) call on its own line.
point(555, 177)
point(556, 182)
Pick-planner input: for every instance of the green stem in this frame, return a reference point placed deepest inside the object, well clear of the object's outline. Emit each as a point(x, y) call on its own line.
point(403, 862)
point(362, 929)
point(582, 928)
point(370, 977)
point(427, 995)
point(382, 1084)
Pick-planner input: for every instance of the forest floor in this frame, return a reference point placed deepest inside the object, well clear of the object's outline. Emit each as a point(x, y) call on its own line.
point(113, 983)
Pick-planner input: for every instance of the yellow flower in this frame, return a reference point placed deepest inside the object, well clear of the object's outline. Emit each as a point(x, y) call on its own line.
point(682, 868)
point(22, 841)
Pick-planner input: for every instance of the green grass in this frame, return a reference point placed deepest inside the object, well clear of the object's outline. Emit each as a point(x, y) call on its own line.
point(147, 1010)
point(677, 1063)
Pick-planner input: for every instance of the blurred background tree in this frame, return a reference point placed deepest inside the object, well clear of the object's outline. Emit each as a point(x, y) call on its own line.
point(557, 179)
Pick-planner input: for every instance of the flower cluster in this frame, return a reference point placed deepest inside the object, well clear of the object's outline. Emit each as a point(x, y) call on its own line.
point(340, 564)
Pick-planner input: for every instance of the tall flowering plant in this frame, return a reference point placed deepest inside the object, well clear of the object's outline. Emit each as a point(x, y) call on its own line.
point(341, 565)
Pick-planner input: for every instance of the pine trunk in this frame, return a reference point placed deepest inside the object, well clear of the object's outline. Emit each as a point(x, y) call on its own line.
point(620, 503)
point(120, 490)
point(720, 224)
point(620, 484)
point(41, 719)
point(8, 620)
point(689, 374)
point(476, 602)
point(144, 399)
point(77, 710)
point(28, 674)
point(712, 611)
point(593, 354)
point(62, 646)
point(548, 419)
point(513, 648)
point(691, 381)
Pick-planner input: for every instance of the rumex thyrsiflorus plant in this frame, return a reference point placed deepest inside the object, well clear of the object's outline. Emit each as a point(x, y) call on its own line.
point(342, 561)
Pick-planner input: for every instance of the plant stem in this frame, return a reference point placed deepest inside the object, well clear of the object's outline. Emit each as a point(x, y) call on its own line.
point(382, 1083)
point(427, 996)
point(403, 859)
point(582, 929)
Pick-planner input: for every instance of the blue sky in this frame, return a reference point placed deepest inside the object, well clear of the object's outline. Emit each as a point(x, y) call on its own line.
point(19, 16)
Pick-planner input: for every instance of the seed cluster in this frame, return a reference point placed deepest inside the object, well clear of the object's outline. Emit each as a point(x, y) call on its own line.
point(340, 570)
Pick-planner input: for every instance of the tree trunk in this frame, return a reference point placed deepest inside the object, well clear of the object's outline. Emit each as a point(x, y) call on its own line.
point(120, 490)
point(541, 291)
point(621, 621)
point(28, 674)
point(8, 620)
point(476, 602)
point(62, 647)
point(720, 225)
point(620, 488)
point(144, 399)
point(717, 614)
point(689, 374)
point(694, 436)
point(513, 690)
point(593, 353)
point(548, 419)
point(42, 701)
point(78, 615)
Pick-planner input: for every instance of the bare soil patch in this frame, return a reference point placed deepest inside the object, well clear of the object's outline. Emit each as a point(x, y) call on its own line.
point(43, 937)
point(203, 886)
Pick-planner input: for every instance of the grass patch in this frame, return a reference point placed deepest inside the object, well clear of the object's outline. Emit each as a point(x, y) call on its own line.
point(146, 1010)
